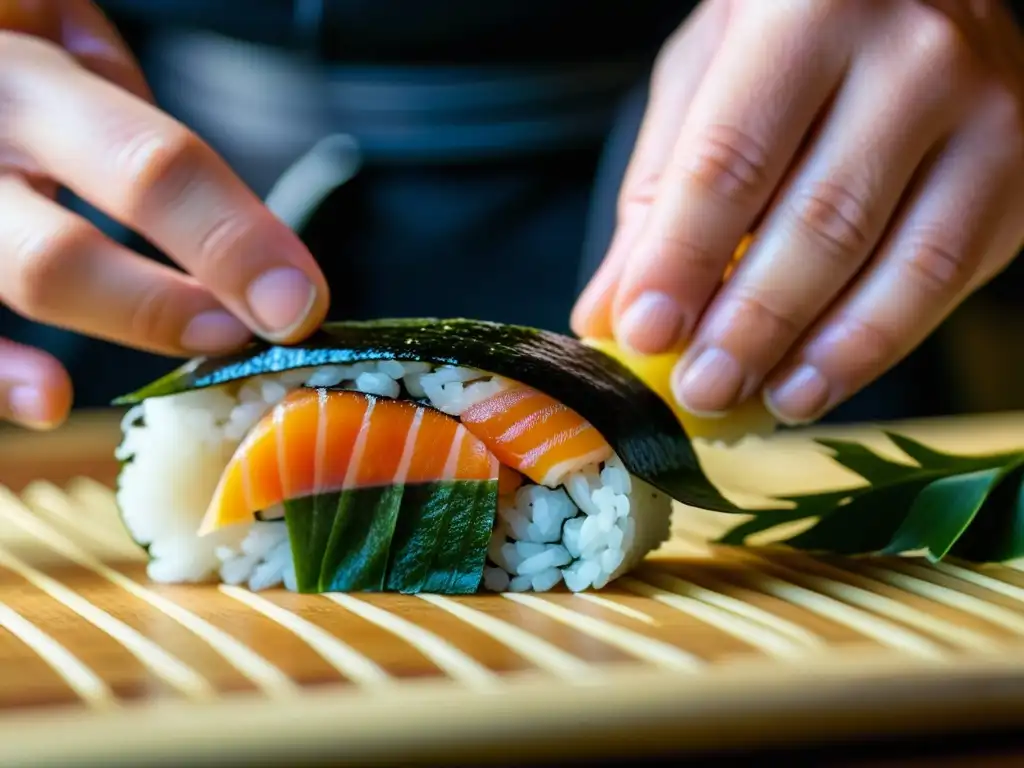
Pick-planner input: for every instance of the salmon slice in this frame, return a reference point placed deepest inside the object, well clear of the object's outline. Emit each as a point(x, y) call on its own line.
point(321, 441)
point(535, 434)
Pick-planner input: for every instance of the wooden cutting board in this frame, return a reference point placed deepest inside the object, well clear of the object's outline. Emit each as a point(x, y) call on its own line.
point(703, 647)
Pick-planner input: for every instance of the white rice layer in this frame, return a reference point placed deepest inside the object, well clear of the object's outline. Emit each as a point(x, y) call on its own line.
point(594, 526)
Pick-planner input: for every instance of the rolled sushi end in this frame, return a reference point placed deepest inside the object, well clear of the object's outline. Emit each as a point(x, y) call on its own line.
point(592, 529)
point(589, 525)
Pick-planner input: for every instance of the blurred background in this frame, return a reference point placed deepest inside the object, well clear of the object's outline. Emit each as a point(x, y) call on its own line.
point(493, 138)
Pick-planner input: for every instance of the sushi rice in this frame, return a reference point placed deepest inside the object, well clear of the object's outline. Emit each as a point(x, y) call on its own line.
point(599, 523)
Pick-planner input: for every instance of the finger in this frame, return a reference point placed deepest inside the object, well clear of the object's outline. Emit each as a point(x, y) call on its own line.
point(825, 224)
point(35, 390)
point(90, 37)
point(146, 170)
point(763, 90)
point(31, 17)
point(962, 225)
point(82, 29)
point(58, 269)
point(674, 82)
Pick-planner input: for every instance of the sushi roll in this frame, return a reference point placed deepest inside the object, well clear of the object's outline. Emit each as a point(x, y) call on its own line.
point(409, 456)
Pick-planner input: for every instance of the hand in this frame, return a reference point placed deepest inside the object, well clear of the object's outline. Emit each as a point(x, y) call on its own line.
point(874, 148)
point(76, 112)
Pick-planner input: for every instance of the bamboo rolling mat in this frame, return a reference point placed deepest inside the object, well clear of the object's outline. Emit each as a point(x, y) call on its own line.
point(702, 647)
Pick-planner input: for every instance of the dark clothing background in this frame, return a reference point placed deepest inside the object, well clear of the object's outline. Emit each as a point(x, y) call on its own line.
point(494, 134)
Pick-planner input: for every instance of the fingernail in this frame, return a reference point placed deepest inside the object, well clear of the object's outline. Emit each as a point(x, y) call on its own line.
point(27, 406)
point(800, 398)
point(652, 323)
point(281, 300)
point(709, 385)
point(214, 331)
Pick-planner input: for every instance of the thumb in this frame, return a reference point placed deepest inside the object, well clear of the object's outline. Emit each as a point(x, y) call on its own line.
point(677, 75)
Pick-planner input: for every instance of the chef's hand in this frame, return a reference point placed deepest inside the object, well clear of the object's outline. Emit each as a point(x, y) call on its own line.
point(876, 150)
point(75, 112)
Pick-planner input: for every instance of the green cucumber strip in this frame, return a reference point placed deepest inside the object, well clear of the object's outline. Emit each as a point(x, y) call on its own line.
point(636, 422)
point(465, 571)
point(445, 559)
point(419, 533)
point(310, 521)
point(440, 545)
point(422, 538)
point(356, 557)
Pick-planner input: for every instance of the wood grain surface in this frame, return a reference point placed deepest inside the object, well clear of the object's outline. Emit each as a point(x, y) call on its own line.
point(702, 647)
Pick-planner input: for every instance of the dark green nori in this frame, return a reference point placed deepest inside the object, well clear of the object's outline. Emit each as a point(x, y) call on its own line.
point(640, 427)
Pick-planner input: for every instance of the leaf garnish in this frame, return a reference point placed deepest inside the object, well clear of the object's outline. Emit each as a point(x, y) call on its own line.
point(944, 504)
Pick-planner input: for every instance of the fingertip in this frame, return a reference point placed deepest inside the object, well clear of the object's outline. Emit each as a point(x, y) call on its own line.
point(591, 316)
point(37, 408)
point(798, 396)
point(594, 314)
point(214, 331)
point(653, 323)
point(40, 397)
point(287, 303)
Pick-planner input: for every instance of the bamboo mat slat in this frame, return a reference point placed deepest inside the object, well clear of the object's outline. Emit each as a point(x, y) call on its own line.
point(702, 646)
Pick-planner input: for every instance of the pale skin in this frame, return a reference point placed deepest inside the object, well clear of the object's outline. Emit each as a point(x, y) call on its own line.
point(874, 147)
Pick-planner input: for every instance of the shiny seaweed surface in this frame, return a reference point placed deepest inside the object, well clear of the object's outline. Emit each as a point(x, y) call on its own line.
point(640, 427)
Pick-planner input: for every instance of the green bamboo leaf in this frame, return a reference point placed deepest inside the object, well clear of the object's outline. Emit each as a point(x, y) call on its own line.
point(997, 532)
point(806, 506)
point(763, 520)
point(865, 524)
point(869, 465)
point(930, 458)
point(943, 511)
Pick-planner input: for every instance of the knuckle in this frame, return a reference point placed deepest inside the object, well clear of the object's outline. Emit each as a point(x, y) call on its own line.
point(637, 194)
point(40, 258)
point(156, 314)
point(683, 256)
point(937, 44)
point(159, 167)
point(937, 268)
point(1004, 110)
point(813, 13)
point(870, 346)
point(758, 316)
point(837, 218)
point(726, 161)
point(217, 245)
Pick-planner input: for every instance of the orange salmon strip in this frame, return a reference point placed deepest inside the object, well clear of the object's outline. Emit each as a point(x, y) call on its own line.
point(320, 441)
point(535, 434)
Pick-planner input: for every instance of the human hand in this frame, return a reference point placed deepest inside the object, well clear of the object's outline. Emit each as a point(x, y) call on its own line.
point(875, 149)
point(76, 112)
